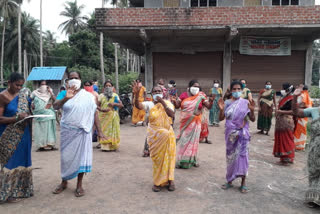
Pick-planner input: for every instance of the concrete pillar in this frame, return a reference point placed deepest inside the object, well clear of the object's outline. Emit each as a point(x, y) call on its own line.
point(308, 66)
point(227, 60)
point(148, 68)
point(139, 64)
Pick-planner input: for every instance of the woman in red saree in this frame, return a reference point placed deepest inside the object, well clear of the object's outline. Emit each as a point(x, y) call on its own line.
point(283, 143)
point(191, 103)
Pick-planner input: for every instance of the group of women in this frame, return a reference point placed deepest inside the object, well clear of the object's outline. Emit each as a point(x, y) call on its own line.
point(166, 151)
point(17, 103)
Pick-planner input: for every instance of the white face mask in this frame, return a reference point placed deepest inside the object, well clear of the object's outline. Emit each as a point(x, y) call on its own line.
point(155, 96)
point(74, 82)
point(216, 85)
point(194, 90)
point(170, 86)
point(43, 89)
point(283, 93)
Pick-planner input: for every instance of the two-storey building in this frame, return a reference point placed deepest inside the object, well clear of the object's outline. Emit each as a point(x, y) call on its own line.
point(257, 40)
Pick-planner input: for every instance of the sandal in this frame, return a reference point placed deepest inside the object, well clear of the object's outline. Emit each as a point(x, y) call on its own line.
point(171, 187)
point(243, 189)
point(282, 163)
point(145, 154)
point(226, 186)
point(196, 165)
point(14, 200)
point(156, 188)
point(54, 148)
point(41, 149)
point(59, 189)
point(79, 192)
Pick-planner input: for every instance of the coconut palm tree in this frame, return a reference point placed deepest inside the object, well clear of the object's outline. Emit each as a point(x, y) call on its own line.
point(50, 39)
point(29, 31)
point(19, 35)
point(8, 8)
point(75, 20)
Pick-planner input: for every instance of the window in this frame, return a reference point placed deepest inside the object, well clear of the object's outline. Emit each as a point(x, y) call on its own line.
point(285, 2)
point(171, 3)
point(203, 3)
point(249, 3)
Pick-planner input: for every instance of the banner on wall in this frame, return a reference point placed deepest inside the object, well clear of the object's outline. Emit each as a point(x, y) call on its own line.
point(270, 46)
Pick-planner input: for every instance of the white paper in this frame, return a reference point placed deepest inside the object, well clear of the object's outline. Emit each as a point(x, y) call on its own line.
point(34, 116)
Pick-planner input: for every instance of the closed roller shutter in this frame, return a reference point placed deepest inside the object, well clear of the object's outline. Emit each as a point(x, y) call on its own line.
point(182, 68)
point(277, 69)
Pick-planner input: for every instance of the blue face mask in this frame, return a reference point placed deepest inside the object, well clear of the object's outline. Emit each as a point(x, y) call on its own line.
point(236, 94)
point(243, 85)
point(155, 96)
point(268, 86)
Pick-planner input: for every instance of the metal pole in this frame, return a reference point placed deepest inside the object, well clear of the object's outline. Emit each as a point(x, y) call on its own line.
point(116, 66)
point(41, 45)
point(101, 54)
point(319, 73)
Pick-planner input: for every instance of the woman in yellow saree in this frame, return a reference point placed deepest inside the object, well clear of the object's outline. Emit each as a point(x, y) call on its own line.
point(160, 137)
point(109, 103)
point(138, 115)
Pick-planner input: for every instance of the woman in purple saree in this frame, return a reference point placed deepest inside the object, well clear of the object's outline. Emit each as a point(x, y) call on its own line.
point(237, 112)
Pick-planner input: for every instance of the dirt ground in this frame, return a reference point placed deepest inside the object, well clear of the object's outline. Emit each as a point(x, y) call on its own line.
point(121, 182)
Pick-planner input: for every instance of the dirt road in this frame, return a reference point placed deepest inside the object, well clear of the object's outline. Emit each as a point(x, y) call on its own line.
point(121, 182)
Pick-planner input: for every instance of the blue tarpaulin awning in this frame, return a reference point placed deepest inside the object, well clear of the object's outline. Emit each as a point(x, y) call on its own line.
point(47, 73)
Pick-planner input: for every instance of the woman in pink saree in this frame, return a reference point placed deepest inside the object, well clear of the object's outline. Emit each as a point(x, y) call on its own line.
point(191, 103)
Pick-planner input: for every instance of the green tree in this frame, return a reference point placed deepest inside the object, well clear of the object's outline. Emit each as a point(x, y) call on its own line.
point(29, 34)
point(20, 35)
point(7, 9)
point(60, 55)
point(316, 62)
point(86, 52)
point(75, 20)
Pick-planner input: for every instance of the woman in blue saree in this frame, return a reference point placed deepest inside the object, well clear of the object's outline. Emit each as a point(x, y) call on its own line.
point(15, 142)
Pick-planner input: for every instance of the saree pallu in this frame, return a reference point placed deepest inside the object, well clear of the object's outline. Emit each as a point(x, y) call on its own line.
point(76, 135)
point(237, 138)
point(190, 129)
point(44, 129)
point(214, 111)
point(204, 125)
point(110, 125)
point(162, 145)
point(300, 132)
point(313, 192)
point(283, 141)
point(138, 115)
point(15, 153)
point(266, 109)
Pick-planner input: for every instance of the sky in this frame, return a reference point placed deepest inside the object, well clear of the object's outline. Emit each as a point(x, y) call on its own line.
point(51, 13)
point(52, 9)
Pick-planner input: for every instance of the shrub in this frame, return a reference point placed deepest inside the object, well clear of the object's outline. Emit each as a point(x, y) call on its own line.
point(314, 92)
point(125, 81)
